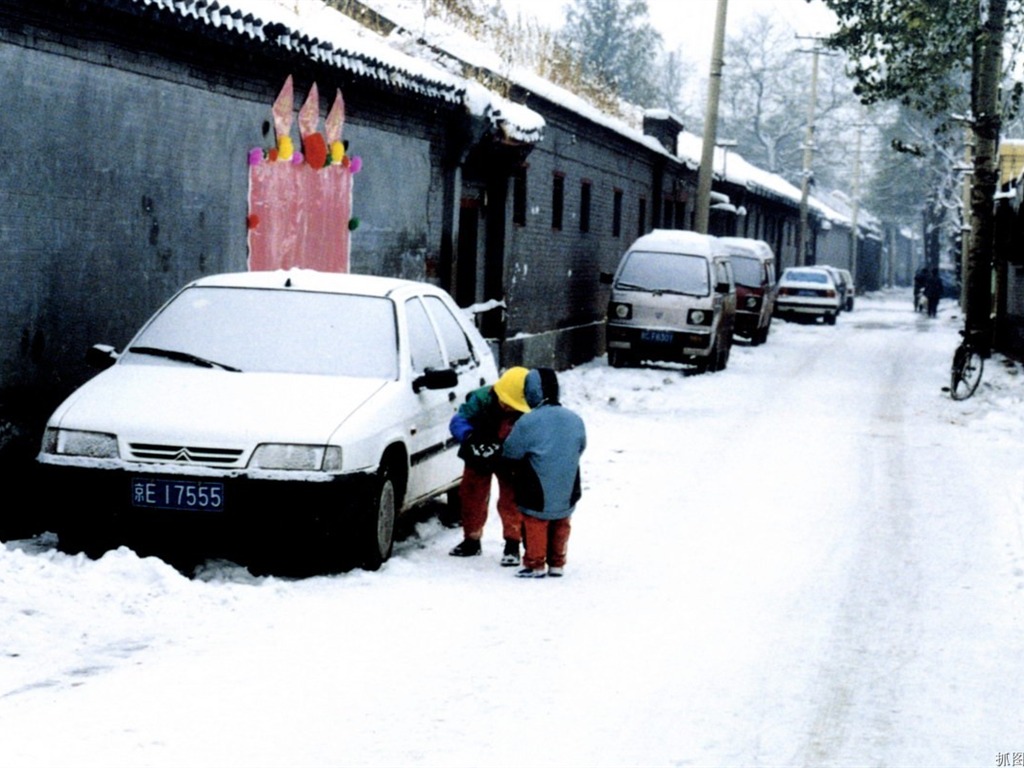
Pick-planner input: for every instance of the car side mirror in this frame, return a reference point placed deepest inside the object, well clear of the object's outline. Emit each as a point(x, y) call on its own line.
point(444, 378)
point(606, 278)
point(723, 288)
point(101, 356)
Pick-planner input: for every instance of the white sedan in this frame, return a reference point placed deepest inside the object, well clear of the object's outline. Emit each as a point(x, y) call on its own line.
point(809, 292)
point(291, 413)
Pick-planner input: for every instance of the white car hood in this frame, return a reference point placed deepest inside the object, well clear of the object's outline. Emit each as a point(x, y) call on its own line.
point(161, 403)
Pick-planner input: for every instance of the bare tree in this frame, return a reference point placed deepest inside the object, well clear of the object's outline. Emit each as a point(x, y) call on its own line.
point(766, 100)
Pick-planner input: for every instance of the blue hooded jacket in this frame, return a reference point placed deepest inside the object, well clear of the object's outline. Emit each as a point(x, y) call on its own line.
point(544, 448)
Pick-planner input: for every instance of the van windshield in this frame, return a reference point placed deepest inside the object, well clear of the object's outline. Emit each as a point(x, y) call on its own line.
point(747, 271)
point(664, 273)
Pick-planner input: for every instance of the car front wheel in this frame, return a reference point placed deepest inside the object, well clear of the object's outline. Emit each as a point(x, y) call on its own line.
point(375, 530)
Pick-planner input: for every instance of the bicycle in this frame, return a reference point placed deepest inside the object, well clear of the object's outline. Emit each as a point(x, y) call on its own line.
point(968, 364)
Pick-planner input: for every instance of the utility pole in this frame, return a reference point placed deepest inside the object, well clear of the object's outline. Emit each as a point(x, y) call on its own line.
point(855, 236)
point(805, 180)
point(707, 157)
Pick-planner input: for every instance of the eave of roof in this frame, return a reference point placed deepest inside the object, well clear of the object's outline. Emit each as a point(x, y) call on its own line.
point(336, 42)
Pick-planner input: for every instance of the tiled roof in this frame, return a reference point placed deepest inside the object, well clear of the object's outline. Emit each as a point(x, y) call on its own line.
point(337, 41)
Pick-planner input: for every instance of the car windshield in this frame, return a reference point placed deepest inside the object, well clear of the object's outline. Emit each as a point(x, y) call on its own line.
point(747, 271)
point(665, 272)
point(806, 276)
point(280, 331)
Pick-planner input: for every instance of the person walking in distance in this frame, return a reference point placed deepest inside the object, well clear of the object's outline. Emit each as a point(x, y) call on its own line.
point(544, 449)
point(933, 291)
point(480, 426)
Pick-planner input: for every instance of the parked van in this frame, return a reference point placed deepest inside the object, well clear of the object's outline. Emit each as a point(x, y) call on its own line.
point(753, 266)
point(673, 299)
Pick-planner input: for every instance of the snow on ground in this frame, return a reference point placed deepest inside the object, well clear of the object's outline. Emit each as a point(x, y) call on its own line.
point(814, 557)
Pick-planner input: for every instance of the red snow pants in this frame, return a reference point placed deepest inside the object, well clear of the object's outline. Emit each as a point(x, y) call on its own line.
point(546, 541)
point(475, 496)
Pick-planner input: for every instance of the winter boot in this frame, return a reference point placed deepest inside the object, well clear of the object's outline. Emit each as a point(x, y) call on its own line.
point(466, 548)
point(531, 573)
point(511, 556)
point(555, 571)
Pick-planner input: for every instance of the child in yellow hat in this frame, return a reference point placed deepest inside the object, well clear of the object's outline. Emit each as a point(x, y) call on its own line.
point(481, 425)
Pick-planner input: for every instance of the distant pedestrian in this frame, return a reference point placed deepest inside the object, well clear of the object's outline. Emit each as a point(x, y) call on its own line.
point(933, 291)
point(544, 448)
point(920, 278)
point(480, 426)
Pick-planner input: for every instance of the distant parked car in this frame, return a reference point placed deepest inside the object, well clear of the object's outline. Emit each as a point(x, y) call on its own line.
point(839, 277)
point(808, 292)
point(282, 409)
point(674, 299)
point(851, 290)
point(753, 266)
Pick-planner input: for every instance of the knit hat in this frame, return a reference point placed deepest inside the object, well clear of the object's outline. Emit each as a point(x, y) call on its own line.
point(509, 389)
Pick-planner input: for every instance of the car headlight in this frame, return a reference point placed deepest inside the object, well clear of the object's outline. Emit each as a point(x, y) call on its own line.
point(296, 457)
point(622, 311)
point(76, 442)
point(698, 317)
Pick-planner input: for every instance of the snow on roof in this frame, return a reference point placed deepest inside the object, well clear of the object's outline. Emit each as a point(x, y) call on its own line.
point(425, 33)
point(732, 167)
point(313, 29)
point(322, 33)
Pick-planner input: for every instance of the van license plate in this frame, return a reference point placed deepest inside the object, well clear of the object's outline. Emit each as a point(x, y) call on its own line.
point(157, 493)
point(657, 337)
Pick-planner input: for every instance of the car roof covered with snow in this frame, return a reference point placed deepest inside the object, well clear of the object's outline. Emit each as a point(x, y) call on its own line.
point(679, 241)
point(746, 245)
point(313, 280)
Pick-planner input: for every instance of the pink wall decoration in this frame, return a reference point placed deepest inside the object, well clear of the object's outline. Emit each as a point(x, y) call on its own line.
point(300, 194)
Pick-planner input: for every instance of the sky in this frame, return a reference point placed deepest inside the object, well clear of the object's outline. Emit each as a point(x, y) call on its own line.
point(689, 25)
point(814, 557)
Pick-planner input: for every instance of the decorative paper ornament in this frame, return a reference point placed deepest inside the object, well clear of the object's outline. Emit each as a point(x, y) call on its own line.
point(297, 158)
point(252, 221)
point(353, 224)
point(255, 156)
point(335, 119)
point(315, 149)
point(272, 155)
point(309, 115)
point(357, 164)
point(337, 152)
point(285, 148)
point(283, 109)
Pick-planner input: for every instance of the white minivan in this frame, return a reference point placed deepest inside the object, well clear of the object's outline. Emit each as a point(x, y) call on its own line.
point(673, 298)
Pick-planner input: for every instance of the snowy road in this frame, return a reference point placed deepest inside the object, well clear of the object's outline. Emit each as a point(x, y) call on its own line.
point(813, 558)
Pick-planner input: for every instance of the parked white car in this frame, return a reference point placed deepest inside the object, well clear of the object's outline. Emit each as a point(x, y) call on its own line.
point(294, 412)
point(808, 292)
point(851, 289)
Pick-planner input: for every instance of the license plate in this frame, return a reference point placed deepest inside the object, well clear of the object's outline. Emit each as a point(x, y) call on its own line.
point(807, 292)
point(154, 493)
point(657, 337)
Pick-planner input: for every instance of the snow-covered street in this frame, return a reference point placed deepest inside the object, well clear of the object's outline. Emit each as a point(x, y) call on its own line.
point(813, 558)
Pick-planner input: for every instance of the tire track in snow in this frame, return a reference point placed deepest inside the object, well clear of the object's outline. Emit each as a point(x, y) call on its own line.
point(873, 638)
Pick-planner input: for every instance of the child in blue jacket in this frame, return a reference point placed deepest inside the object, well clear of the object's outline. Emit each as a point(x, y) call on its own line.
point(544, 449)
